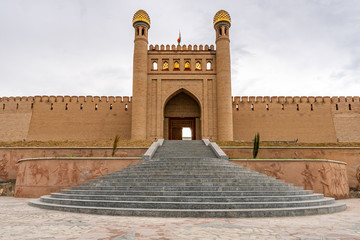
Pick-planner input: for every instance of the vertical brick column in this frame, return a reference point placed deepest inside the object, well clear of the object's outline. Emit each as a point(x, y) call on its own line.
point(223, 82)
point(140, 64)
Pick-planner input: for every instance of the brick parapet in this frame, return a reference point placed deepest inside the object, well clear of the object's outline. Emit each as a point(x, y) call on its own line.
point(296, 99)
point(189, 47)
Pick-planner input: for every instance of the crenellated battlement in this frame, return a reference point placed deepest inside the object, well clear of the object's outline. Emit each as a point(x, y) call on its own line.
point(14, 104)
point(107, 99)
point(296, 99)
point(181, 48)
point(16, 99)
point(235, 99)
point(83, 99)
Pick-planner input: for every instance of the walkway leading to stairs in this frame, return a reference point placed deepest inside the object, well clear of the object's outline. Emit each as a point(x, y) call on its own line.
point(185, 179)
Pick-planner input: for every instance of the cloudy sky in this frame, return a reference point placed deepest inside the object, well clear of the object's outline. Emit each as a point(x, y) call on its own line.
point(84, 47)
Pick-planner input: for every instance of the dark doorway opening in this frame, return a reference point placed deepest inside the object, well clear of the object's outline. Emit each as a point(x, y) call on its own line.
point(176, 126)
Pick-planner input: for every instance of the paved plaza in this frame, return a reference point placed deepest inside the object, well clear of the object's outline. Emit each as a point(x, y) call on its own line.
point(21, 221)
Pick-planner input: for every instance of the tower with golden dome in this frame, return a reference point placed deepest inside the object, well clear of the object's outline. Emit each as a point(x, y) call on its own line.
point(141, 24)
point(222, 23)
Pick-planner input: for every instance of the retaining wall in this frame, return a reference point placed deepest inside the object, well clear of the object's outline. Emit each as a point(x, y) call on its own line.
point(351, 156)
point(322, 176)
point(41, 176)
point(10, 156)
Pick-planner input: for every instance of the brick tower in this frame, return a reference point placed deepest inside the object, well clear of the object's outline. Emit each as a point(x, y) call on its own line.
point(141, 24)
point(222, 22)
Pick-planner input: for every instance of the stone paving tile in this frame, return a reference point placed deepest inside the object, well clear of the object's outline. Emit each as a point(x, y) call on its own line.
point(21, 221)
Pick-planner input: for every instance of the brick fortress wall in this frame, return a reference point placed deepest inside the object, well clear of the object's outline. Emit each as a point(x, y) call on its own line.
point(275, 118)
point(306, 119)
point(65, 118)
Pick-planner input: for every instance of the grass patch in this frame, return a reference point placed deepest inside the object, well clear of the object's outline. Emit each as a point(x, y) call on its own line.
point(97, 143)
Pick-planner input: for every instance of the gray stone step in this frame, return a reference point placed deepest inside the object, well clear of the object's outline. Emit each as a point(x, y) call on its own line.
point(190, 198)
point(188, 188)
point(201, 213)
point(187, 205)
point(186, 180)
point(182, 184)
point(190, 176)
point(183, 149)
point(189, 193)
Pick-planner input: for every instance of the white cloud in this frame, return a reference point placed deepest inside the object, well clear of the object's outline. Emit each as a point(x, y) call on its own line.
point(67, 47)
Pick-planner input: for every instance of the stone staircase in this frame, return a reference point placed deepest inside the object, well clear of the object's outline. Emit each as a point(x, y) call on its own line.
point(185, 179)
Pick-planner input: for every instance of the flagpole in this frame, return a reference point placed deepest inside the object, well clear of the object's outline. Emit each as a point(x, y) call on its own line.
point(179, 39)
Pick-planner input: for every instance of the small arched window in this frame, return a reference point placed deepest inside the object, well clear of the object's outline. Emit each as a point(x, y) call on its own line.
point(96, 107)
point(252, 107)
point(126, 107)
point(154, 66)
point(66, 106)
point(110, 106)
point(187, 65)
point(208, 65)
point(237, 107)
point(81, 106)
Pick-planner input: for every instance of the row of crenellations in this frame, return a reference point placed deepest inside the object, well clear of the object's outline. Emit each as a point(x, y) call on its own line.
point(67, 99)
point(181, 48)
point(275, 99)
point(236, 99)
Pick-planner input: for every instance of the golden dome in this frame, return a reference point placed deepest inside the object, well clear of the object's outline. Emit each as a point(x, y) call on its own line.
point(141, 16)
point(222, 16)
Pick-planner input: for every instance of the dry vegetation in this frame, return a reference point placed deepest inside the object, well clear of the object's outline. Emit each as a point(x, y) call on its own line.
point(285, 144)
point(99, 143)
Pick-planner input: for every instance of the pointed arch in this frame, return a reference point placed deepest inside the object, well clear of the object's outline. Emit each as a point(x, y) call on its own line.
point(186, 91)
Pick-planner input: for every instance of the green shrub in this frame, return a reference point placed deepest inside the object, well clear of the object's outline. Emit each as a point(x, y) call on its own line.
point(256, 145)
point(116, 141)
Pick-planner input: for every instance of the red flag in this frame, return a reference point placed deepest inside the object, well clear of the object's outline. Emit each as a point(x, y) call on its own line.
point(179, 39)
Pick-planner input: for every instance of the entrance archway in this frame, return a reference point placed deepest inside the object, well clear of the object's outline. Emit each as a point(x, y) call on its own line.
point(182, 111)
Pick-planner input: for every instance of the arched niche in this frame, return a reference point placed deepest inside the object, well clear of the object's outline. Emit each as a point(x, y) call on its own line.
point(182, 109)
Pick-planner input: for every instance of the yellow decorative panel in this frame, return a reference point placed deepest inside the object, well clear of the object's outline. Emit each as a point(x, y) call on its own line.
point(165, 65)
point(176, 65)
point(198, 65)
